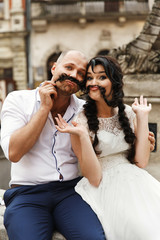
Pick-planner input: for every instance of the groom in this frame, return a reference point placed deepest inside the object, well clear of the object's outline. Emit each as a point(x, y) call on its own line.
point(44, 169)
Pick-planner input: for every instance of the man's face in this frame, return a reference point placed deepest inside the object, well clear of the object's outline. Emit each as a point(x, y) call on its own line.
point(69, 72)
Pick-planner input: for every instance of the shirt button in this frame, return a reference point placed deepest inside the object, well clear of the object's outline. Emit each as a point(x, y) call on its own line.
point(54, 151)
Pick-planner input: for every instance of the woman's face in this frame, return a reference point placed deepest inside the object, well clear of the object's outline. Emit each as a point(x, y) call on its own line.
point(97, 79)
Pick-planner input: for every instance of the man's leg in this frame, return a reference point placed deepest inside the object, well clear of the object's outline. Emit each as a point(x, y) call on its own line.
point(26, 217)
point(76, 220)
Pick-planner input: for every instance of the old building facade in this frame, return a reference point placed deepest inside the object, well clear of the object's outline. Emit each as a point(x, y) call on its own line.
point(13, 64)
point(33, 33)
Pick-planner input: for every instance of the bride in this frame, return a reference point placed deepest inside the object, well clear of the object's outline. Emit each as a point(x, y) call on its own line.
point(111, 142)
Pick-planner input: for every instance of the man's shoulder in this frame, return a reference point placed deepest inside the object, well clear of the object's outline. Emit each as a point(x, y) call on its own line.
point(19, 98)
point(78, 101)
point(20, 93)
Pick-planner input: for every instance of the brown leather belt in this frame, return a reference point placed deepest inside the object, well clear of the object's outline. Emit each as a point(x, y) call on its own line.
point(16, 185)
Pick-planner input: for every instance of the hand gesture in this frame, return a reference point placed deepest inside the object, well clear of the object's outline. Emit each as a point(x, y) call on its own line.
point(47, 93)
point(141, 106)
point(63, 127)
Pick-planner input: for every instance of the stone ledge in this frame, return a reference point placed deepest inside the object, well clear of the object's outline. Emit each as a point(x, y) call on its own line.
point(3, 234)
point(146, 84)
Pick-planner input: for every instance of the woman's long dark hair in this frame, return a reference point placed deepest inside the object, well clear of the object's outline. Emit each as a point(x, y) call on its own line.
point(114, 73)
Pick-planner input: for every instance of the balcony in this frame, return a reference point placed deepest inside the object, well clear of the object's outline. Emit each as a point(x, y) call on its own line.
point(72, 10)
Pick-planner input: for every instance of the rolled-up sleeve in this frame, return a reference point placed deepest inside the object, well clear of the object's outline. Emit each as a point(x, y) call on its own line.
point(12, 118)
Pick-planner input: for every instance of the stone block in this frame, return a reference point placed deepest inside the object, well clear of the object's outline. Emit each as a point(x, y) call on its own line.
point(39, 25)
point(155, 20)
point(156, 11)
point(3, 235)
point(150, 29)
point(142, 45)
point(147, 37)
point(146, 84)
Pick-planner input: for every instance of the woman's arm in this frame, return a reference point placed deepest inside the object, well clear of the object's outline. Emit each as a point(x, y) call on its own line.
point(82, 147)
point(142, 131)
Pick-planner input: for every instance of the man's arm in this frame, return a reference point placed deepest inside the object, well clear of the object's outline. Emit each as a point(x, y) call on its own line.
point(24, 138)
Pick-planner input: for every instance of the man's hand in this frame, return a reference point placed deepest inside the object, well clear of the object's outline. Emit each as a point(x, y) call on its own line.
point(48, 93)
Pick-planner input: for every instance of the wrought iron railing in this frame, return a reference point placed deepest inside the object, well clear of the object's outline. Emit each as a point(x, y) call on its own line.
point(64, 7)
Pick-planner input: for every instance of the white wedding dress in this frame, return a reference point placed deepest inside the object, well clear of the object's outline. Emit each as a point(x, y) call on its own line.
point(127, 201)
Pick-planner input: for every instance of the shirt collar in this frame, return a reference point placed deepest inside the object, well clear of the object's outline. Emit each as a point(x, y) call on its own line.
point(74, 102)
point(37, 95)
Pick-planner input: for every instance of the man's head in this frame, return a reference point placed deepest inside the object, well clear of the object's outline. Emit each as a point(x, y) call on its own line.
point(69, 71)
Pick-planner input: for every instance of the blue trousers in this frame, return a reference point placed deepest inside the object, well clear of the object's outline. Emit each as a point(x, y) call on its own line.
point(34, 212)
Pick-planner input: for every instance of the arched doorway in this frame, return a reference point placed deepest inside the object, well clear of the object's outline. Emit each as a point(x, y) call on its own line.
point(53, 58)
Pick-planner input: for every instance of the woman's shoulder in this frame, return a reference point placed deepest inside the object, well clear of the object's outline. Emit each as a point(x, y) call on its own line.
point(81, 118)
point(130, 114)
point(128, 108)
point(129, 111)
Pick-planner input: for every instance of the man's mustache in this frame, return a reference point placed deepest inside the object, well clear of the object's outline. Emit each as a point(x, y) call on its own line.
point(64, 77)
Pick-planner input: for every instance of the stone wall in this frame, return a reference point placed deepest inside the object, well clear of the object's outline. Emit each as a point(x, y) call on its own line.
point(95, 37)
point(19, 62)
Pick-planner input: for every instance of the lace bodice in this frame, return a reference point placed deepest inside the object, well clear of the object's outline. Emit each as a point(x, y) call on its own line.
point(111, 124)
point(110, 134)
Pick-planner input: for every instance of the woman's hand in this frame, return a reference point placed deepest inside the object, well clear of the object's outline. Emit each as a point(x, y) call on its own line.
point(63, 127)
point(141, 106)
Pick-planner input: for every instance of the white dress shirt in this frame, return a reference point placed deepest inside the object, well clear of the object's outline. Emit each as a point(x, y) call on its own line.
point(52, 155)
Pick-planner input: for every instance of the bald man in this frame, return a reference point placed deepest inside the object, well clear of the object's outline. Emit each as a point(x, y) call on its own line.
point(44, 169)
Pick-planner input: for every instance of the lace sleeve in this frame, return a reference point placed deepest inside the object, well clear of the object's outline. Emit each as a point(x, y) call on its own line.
point(81, 118)
point(131, 115)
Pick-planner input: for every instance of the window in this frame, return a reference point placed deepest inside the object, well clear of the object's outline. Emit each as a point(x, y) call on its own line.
point(6, 73)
